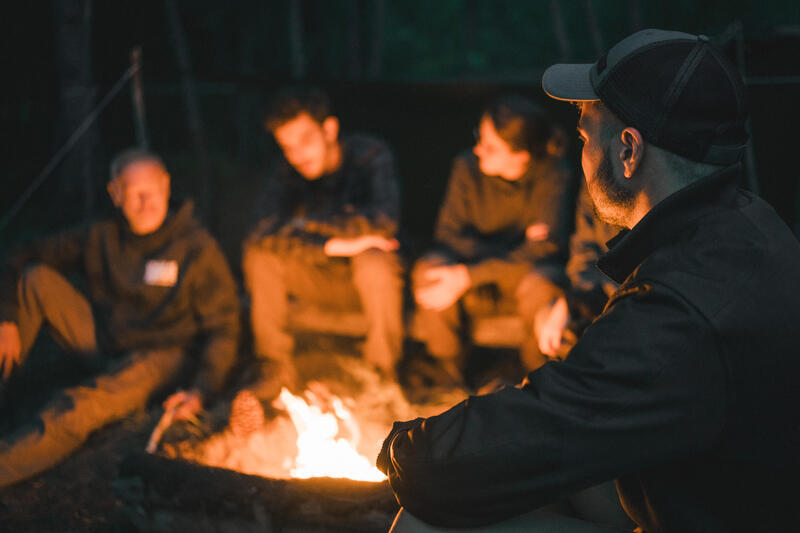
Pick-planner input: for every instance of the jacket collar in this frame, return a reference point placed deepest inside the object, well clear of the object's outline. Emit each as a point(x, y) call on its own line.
point(665, 222)
point(175, 223)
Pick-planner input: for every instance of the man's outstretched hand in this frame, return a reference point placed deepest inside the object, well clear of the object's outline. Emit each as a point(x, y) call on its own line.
point(10, 348)
point(341, 247)
point(186, 404)
point(384, 457)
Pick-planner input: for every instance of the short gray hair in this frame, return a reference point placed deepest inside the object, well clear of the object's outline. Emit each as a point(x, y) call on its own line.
point(687, 170)
point(132, 155)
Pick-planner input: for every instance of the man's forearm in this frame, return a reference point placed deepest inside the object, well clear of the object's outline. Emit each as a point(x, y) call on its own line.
point(217, 359)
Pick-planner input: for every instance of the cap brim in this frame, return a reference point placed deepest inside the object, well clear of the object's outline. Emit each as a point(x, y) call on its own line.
point(570, 82)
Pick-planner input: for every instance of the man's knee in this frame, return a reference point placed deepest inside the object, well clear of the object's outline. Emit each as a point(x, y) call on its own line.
point(39, 277)
point(534, 292)
point(423, 264)
point(376, 268)
point(259, 264)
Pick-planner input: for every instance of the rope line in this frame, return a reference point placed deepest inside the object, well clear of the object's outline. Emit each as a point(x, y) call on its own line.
point(67, 146)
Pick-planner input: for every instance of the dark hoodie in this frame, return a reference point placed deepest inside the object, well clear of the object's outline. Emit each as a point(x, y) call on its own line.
point(483, 219)
point(169, 288)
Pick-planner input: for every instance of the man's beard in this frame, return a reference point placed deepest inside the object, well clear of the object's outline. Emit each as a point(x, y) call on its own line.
point(615, 201)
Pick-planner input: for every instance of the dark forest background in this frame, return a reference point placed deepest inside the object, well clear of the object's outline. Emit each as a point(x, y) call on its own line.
point(415, 72)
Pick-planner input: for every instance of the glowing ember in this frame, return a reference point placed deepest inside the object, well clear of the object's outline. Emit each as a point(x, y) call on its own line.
point(320, 451)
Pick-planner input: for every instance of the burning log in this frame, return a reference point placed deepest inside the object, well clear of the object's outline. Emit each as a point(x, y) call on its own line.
point(158, 484)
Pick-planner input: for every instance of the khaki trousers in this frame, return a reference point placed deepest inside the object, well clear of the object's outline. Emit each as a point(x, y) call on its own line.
point(47, 299)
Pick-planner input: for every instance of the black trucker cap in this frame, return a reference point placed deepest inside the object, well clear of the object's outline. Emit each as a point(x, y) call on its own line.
point(677, 89)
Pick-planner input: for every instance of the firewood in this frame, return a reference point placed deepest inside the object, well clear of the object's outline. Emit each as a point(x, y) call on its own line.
point(182, 486)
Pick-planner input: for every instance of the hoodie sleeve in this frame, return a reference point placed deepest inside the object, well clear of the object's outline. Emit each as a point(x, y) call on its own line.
point(62, 252)
point(216, 305)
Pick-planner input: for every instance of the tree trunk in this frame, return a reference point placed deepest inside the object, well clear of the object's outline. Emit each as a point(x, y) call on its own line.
point(376, 56)
point(560, 30)
point(77, 94)
point(196, 131)
point(353, 41)
point(594, 28)
point(635, 13)
point(468, 32)
point(296, 39)
point(137, 99)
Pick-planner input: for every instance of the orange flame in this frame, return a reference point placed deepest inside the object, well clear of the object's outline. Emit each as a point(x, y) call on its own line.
point(320, 452)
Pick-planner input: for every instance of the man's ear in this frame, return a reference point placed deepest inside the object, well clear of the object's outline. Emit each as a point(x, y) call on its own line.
point(330, 128)
point(115, 192)
point(632, 151)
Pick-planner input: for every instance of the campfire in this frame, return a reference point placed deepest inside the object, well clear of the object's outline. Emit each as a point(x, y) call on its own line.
point(320, 451)
point(304, 461)
point(334, 428)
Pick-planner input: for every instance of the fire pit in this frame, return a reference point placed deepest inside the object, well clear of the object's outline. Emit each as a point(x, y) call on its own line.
point(303, 464)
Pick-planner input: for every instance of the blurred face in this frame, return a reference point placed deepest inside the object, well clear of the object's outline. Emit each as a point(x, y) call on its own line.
point(310, 147)
point(141, 192)
point(495, 156)
point(605, 182)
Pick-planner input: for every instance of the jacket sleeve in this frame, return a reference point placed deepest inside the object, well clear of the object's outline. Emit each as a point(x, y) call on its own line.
point(545, 256)
point(454, 226)
point(62, 252)
point(216, 306)
point(644, 386)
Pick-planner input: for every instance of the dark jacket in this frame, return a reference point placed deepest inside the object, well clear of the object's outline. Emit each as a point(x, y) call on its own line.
point(483, 219)
point(297, 216)
point(199, 303)
point(684, 389)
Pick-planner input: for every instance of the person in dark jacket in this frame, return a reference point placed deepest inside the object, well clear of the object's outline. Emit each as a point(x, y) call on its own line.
point(684, 389)
point(157, 296)
point(501, 235)
point(325, 235)
point(559, 325)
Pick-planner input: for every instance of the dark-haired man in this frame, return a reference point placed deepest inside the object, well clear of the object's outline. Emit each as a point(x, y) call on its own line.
point(326, 234)
point(156, 293)
point(684, 389)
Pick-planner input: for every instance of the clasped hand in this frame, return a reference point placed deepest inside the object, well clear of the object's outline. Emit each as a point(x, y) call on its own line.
point(443, 286)
point(185, 404)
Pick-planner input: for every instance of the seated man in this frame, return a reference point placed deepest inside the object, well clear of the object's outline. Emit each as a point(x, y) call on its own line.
point(684, 389)
point(501, 234)
point(559, 325)
point(158, 295)
point(326, 235)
